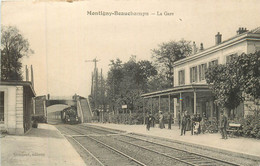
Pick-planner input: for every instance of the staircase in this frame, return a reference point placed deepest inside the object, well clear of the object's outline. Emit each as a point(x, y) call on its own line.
point(86, 111)
point(39, 106)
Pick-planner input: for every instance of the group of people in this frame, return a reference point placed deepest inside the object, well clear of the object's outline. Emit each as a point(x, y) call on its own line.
point(151, 121)
point(195, 123)
point(198, 125)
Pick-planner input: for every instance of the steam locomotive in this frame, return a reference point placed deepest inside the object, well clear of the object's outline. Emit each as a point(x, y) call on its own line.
point(69, 115)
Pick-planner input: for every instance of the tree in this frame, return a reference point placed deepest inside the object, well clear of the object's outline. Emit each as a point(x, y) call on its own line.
point(134, 83)
point(146, 71)
point(225, 86)
point(230, 82)
point(157, 82)
point(13, 47)
point(114, 77)
point(167, 54)
point(126, 82)
point(248, 68)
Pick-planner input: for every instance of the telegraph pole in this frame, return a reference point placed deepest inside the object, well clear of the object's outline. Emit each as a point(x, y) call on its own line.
point(94, 87)
point(92, 82)
point(95, 61)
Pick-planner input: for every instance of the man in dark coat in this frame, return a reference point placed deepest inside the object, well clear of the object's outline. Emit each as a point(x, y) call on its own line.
point(203, 123)
point(170, 121)
point(223, 125)
point(149, 121)
point(184, 123)
point(199, 118)
point(193, 119)
point(179, 119)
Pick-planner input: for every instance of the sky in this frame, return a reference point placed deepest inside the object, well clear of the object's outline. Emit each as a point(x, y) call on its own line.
point(63, 35)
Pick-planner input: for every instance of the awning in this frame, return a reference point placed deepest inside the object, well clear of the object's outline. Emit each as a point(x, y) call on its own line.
point(177, 90)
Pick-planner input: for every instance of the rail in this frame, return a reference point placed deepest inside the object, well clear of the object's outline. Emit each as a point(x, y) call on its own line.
point(107, 146)
point(190, 159)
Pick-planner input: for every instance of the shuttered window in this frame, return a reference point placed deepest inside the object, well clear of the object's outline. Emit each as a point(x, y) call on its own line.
point(202, 70)
point(193, 74)
point(181, 77)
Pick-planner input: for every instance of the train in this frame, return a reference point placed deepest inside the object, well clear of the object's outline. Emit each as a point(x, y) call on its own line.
point(69, 115)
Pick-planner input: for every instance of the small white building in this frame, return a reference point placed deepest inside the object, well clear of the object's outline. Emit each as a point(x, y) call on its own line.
point(190, 91)
point(16, 106)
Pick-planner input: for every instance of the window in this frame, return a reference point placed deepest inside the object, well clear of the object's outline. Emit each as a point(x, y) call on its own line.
point(181, 77)
point(202, 70)
point(212, 63)
point(231, 57)
point(193, 74)
point(2, 107)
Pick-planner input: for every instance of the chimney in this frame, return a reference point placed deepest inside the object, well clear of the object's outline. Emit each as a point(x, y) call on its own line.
point(26, 74)
point(32, 81)
point(194, 48)
point(201, 47)
point(218, 38)
point(241, 30)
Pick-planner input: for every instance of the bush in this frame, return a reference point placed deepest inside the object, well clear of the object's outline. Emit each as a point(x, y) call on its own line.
point(134, 118)
point(39, 118)
point(251, 126)
point(35, 124)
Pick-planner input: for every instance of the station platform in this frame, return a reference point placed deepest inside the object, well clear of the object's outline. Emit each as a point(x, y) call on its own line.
point(43, 146)
point(240, 145)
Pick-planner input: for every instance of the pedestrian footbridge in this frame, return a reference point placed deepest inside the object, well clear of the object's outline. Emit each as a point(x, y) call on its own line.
point(81, 104)
point(65, 102)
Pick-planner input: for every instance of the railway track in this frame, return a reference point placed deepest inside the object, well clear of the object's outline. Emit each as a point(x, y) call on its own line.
point(184, 156)
point(102, 153)
point(181, 154)
point(240, 159)
point(143, 147)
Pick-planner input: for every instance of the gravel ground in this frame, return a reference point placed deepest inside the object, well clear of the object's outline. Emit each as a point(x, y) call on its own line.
point(150, 158)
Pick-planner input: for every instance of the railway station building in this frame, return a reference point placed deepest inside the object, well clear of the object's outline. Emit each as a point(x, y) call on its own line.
point(16, 106)
point(190, 91)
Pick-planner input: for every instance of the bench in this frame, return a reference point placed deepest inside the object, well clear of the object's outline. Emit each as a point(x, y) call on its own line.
point(234, 129)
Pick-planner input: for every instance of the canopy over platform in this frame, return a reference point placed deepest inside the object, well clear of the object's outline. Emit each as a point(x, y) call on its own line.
point(176, 91)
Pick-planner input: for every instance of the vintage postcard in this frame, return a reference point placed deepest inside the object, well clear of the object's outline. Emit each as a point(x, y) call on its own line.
point(129, 82)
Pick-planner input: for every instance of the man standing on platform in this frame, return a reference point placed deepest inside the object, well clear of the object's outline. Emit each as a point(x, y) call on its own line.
point(179, 119)
point(184, 123)
point(223, 125)
point(170, 121)
point(193, 119)
point(149, 121)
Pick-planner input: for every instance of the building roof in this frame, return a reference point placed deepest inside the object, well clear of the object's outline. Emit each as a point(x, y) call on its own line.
point(252, 34)
point(19, 83)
